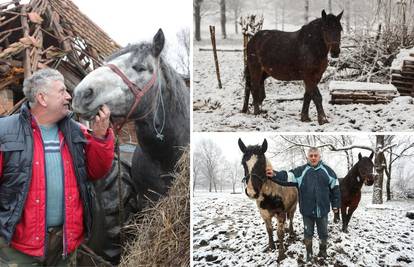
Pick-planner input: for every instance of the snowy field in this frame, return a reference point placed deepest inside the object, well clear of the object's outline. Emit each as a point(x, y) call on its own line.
point(219, 109)
point(228, 231)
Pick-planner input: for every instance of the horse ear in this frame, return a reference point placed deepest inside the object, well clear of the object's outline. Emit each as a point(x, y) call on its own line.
point(264, 146)
point(340, 15)
point(359, 156)
point(372, 155)
point(158, 43)
point(323, 14)
point(242, 146)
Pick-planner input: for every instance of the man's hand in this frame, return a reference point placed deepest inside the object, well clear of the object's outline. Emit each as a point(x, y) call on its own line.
point(101, 123)
point(269, 171)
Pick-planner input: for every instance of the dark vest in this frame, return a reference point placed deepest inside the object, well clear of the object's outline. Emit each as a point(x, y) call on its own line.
point(16, 144)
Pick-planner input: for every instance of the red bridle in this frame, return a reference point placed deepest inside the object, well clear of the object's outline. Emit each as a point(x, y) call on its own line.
point(138, 92)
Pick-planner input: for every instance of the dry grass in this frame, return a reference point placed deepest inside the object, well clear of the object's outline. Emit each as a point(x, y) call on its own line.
point(162, 235)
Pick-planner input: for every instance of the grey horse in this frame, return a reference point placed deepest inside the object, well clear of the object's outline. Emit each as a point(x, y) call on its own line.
point(159, 104)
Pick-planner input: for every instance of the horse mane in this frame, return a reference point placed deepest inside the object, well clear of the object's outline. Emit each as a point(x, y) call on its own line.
point(352, 171)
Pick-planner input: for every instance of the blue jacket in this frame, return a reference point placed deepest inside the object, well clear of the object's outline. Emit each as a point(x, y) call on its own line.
point(318, 188)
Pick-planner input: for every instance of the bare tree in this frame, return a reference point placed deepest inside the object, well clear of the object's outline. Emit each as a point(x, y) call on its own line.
point(236, 174)
point(183, 53)
point(236, 6)
point(211, 156)
point(330, 6)
point(197, 19)
point(223, 18)
point(196, 168)
point(380, 167)
point(403, 149)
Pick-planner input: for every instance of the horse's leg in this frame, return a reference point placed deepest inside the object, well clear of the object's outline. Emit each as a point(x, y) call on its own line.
point(311, 84)
point(281, 218)
point(291, 215)
point(317, 99)
point(306, 102)
point(247, 90)
point(269, 229)
point(344, 219)
point(262, 95)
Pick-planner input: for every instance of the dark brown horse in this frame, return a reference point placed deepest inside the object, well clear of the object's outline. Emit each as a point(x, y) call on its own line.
point(290, 56)
point(272, 199)
point(361, 173)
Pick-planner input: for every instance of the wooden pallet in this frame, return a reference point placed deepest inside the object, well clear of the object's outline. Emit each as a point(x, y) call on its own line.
point(343, 92)
point(403, 78)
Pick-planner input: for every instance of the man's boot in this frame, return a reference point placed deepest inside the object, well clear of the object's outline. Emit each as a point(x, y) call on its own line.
point(309, 251)
point(322, 249)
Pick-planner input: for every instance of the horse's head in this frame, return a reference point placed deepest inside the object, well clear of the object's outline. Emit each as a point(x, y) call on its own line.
point(138, 65)
point(366, 169)
point(254, 163)
point(331, 32)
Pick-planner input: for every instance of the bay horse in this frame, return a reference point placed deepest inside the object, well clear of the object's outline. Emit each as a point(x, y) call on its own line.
point(350, 186)
point(272, 199)
point(290, 56)
point(137, 84)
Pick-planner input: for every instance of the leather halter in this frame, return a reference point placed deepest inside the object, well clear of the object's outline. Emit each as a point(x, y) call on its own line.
point(136, 91)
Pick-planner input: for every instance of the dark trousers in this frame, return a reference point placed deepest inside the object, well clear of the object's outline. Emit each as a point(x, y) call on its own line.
point(321, 226)
point(12, 257)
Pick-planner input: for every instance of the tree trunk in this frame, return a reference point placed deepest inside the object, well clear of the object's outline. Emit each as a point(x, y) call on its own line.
point(388, 186)
point(236, 24)
point(197, 19)
point(330, 6)
point(348, 15)
point(223, 18)
point(306, 11)
point(379, 166)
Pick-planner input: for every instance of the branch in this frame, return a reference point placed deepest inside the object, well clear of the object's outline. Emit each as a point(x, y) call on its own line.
point(330, 146)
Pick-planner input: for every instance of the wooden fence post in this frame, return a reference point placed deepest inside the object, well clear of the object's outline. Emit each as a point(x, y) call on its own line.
point(213, 43)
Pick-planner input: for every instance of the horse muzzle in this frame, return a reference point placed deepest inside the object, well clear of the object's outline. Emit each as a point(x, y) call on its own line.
point(335, 50)
point(369, 180)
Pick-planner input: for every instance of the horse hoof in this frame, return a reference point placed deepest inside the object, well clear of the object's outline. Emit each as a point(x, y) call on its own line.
point(270, 249)
point(322, 120)
point(306, 119)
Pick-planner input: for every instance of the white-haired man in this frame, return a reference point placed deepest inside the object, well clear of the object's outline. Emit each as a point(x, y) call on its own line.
point(318, 190)
point(46, 162)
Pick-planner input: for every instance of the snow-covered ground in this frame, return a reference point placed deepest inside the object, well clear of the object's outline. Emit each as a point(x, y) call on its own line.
point(228, 231)
point(219, 109)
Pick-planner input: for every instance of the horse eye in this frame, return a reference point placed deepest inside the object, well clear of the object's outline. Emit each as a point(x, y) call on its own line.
point(139, 68)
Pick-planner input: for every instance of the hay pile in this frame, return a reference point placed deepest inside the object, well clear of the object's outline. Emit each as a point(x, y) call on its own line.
point(162, 236)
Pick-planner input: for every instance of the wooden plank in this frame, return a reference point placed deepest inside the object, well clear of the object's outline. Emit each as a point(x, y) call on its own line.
point(365, 101)
point(26, 56)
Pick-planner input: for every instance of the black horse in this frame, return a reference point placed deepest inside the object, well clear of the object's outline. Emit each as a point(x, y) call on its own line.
point(361, 173)
point(289, 56)
point(137, 84)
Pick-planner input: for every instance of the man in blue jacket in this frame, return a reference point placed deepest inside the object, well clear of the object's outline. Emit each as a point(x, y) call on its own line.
point(318, 190)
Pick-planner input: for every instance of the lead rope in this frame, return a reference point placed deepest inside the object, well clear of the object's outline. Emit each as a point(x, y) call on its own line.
point(120, 204)
point(159, 135)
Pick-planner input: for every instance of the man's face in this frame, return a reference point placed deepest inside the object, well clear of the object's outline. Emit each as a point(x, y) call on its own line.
point(57, 100)
point(314, 157)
